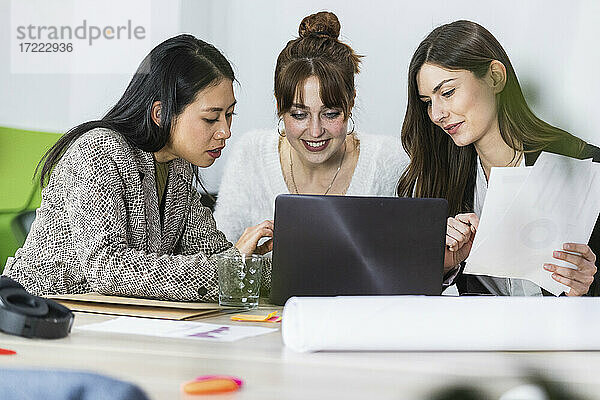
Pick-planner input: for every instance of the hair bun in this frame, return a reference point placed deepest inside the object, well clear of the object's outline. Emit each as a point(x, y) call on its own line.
point(323, 23)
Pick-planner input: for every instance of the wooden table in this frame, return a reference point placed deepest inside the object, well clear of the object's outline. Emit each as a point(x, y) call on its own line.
point(270, 371)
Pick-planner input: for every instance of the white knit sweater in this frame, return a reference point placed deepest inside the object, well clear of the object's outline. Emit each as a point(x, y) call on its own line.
point(253, 177)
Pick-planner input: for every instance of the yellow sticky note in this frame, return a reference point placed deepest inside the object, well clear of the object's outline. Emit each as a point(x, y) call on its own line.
point(272, 317)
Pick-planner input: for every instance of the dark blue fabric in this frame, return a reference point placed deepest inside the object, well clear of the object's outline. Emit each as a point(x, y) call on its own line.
point(25, 384)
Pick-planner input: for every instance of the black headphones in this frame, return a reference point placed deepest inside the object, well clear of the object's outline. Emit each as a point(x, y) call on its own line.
point(23, 314)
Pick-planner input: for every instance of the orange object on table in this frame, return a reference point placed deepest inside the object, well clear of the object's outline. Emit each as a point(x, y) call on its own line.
point(210, 386)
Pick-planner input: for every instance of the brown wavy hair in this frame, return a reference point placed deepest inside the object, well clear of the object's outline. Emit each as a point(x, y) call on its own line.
point(317, 52)
point(438, 167)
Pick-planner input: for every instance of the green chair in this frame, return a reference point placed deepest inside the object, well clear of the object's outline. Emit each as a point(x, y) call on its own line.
point(20, 152)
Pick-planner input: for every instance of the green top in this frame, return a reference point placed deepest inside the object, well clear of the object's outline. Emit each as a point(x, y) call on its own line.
point(161, 170)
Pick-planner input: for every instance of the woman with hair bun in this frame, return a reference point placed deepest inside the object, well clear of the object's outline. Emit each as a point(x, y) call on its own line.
point(315, 148)
point(466, 114)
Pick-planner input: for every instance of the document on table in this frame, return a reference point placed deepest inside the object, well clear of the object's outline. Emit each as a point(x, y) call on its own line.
point(530, 212)
point(177, 329)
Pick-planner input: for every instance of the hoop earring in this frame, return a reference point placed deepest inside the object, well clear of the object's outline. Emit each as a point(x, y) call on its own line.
point(353, 126)
point(279, 130)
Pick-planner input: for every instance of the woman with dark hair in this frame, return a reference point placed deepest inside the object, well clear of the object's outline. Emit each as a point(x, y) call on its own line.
point(466, 114)
point(120, 214)
point(315, 149)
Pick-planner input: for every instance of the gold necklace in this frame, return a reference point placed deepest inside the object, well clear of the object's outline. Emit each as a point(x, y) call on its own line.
point(334, 176)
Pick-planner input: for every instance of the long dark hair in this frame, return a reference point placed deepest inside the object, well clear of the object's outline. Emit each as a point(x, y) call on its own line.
point(173, 73)
point(438, 167)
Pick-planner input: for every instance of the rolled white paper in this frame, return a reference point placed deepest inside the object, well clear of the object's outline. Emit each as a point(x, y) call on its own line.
point(421, 323)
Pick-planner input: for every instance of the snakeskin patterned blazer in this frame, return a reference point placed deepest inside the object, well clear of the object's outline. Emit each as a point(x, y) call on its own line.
point(99, 228)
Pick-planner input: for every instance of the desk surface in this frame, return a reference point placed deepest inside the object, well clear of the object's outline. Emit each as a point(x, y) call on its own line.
point(270, 371)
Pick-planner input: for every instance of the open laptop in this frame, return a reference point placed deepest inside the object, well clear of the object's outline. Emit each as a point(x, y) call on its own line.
point(345, 245)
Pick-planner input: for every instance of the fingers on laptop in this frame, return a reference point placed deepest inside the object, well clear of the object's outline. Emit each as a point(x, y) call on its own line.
point(265, 247)
point(248, 242)
point(266, 228)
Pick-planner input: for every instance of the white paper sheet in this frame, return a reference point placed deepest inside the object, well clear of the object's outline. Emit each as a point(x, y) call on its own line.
point(177, 329)
point(497, 203)
point(522, 223)
point(441, 323)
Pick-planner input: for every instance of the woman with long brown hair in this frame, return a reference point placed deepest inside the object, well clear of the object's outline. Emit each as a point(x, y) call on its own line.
point(315, 148)
point(466, 113)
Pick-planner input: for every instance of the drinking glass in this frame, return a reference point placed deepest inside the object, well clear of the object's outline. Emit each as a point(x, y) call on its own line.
point(239, 279)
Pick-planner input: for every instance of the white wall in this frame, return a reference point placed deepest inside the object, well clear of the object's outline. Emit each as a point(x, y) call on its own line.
point(57, 102)
point(553, 47)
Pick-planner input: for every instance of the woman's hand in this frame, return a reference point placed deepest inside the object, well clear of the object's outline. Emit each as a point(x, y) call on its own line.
point(460, 232)
point(579, 279)
point(248, 242)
